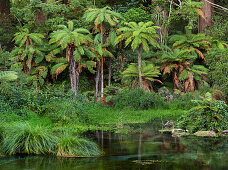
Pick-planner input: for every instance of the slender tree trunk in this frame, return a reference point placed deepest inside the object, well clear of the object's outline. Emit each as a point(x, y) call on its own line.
point(208, 11)
point(102, 77)
point(102, 61)
point(40, 16)
point(97, 79)
point(140, 65)
point(74, 73)
point(110, 72)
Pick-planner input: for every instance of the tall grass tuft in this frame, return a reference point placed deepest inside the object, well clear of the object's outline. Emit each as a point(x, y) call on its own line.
point(71, 146)
point(20, 137)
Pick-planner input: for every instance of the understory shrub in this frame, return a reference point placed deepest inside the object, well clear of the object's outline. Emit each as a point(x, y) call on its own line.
point(217, 62)
point(138, 99)
point(208, 115)
point(184, 101)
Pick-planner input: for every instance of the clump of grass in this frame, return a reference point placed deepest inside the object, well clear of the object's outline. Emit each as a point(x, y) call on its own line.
point(27, 138)
point(71, 146)
point(20, 137)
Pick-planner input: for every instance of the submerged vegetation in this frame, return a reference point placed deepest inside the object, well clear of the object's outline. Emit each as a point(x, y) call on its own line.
point(75, 66)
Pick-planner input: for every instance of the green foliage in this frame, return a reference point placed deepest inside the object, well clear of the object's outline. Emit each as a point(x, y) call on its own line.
point(30, 53)
point(102, 15)
point(138, 99)
point(208, 115)
point(137, 15)
point(217, 61)
point(188, 10)
point(184, 101)
point(68, 35)
point(8, 76)
point(219, 29)
point(193, 42)
point(76, 41)
point(139, 35)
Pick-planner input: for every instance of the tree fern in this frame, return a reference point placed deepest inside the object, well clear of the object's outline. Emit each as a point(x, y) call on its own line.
point(197, 43)
point(140, 36)
point(76, 42)
point(149, 73)
point(100, 16)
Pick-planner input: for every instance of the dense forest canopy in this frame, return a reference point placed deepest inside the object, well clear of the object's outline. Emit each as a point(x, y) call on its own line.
point(179, 38)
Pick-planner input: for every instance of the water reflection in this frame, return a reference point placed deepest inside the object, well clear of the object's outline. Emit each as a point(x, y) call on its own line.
point(144, 150)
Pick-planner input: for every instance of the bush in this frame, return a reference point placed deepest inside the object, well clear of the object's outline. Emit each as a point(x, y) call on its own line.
point(138, 99)
point(208, 115)
point(23, 138)
point(71, 146)
point(217, 61)
point(184, 101)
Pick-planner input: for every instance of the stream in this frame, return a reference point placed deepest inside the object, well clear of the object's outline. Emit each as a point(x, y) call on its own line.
point(145, 150)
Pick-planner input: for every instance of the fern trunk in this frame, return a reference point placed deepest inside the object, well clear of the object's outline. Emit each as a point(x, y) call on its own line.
point(109, 71)
point(74, 74)
point(140, 65)
point(97, 78)
point(102, 61)
point(175, 80)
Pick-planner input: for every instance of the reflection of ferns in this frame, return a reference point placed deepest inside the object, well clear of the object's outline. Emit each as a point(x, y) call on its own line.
point(8, 76)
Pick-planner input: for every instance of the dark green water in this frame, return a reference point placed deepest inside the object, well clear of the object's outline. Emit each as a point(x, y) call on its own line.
point(148, 150)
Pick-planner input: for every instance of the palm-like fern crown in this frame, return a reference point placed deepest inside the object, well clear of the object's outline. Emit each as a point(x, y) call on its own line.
point(100, 15)
point(25, 38)
point(149, 71)
point(28, 46)
point(141, 34)
point(177, 55)
point(68, 36)
point(193, 42)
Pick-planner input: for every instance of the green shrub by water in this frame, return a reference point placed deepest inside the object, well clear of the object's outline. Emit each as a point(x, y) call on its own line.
point(138, 99)
point(207, 115)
